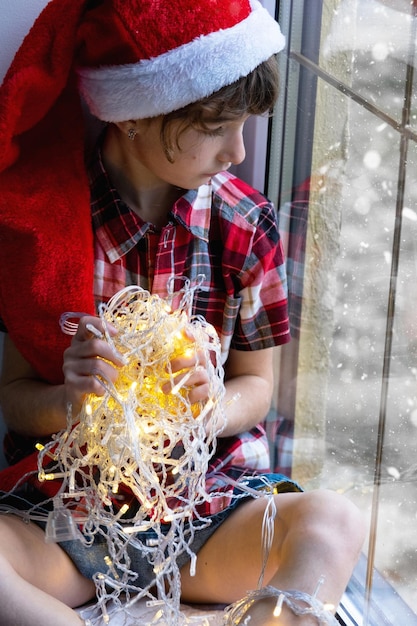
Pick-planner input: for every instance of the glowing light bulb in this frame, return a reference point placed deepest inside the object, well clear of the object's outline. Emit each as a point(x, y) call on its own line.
point(278, 607)
point(188, 352)
point(124, 509)
point(147, 428)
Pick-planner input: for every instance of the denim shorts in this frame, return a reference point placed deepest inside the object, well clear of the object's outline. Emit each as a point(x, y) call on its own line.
point(90, 560)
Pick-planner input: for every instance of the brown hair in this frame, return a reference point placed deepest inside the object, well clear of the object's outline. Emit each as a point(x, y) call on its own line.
point(254, 94)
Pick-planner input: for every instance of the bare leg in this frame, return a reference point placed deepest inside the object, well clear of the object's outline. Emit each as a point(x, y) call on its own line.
point(316, 534)
point(38, 581)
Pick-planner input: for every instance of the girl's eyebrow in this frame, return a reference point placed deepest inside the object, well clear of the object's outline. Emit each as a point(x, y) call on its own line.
point(222, 117)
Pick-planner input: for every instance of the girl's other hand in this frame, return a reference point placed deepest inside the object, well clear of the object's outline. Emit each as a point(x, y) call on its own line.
point(89, 359)
point(191, 368)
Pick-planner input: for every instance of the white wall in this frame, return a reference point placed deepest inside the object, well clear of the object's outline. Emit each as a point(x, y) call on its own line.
point(16, 18)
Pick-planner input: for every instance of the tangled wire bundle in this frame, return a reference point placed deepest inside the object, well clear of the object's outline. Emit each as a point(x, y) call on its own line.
point(145, 438)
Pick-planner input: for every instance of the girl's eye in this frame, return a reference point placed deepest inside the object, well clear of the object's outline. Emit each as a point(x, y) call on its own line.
point(214, 132)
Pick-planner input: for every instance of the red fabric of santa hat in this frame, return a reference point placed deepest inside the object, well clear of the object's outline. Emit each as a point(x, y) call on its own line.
point(46, 244)
point(132, 59)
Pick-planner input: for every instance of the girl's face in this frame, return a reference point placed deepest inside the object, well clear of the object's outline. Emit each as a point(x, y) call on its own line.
point(201, 153)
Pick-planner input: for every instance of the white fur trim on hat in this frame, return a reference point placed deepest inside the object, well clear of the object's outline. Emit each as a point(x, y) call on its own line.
point(183, 75)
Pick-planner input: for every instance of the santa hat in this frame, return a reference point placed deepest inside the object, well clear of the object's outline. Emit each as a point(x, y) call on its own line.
point(130, 59)
point(191, 49)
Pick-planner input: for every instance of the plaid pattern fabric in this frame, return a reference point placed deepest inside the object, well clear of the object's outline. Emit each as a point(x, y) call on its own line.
point(222, 237)
point(280, 435)
point(293, 218)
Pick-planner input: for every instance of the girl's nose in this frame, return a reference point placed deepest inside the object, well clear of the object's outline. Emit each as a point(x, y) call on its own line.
point(233, 150)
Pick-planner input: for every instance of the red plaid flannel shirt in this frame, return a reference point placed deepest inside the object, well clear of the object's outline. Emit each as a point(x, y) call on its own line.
point(224, 238)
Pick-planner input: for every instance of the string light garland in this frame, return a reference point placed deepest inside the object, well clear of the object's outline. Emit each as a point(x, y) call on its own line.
point(142, 437)
point(300, 603)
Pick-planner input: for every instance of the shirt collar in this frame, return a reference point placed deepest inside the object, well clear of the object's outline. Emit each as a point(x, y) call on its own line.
point(119, 228)
point(193, 211)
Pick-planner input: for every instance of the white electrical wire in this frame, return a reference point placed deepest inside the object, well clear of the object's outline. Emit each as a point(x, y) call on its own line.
point(300, 603)
point(144, 436)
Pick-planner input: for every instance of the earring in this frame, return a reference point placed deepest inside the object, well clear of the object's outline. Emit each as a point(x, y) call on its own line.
point(131, 133)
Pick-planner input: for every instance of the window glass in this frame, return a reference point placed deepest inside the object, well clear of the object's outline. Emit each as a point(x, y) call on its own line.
point(372, 41)
point(355, 401)
point(345, 182)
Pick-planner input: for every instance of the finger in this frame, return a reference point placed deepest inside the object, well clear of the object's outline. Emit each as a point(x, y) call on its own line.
point(90, 326)
point(199, 376)
point(89, 376)
point(188, 360)
point(199, 393)
point(79, 367)
point(195, 383)
point(80, 351)
point(89, 341)
point(94, 331)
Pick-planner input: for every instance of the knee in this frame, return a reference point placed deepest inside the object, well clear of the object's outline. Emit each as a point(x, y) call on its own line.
point(332, 519)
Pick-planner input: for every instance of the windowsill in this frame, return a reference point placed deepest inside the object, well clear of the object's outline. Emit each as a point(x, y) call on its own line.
point(387, 608)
